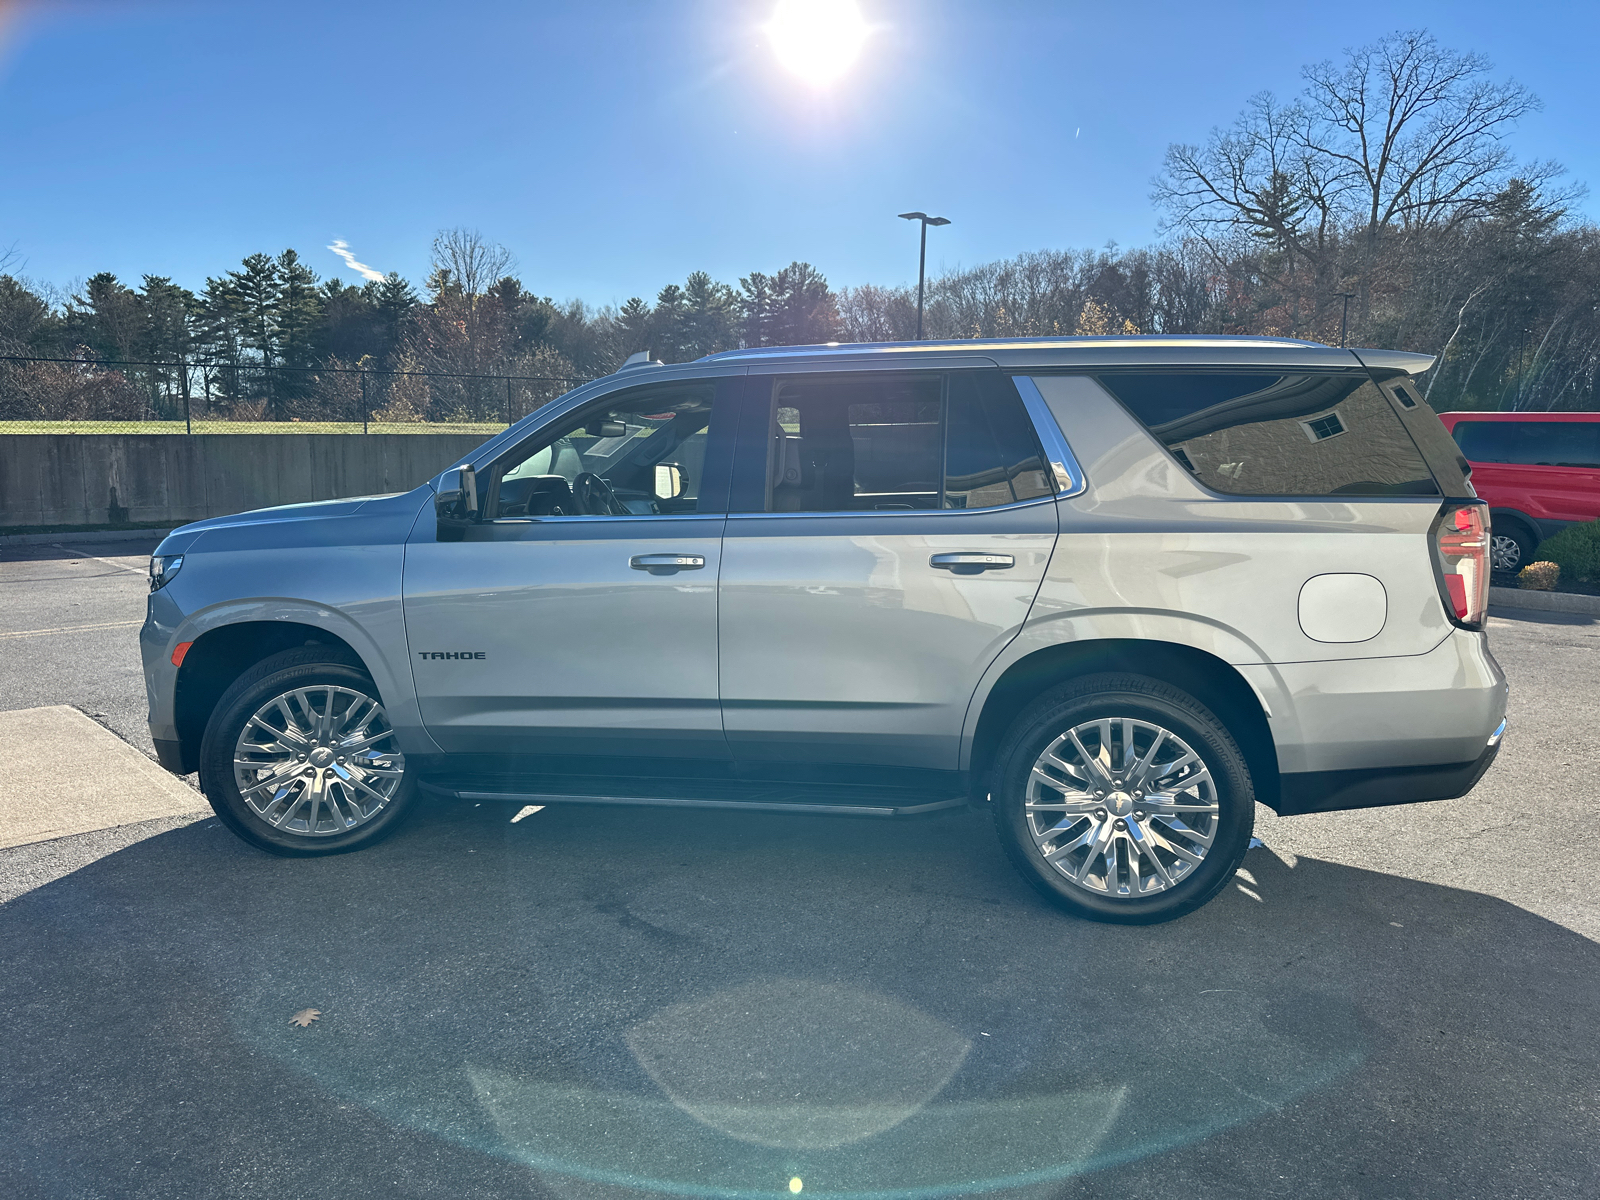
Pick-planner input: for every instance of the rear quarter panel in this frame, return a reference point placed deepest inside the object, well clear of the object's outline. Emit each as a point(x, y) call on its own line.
point(1145, 548)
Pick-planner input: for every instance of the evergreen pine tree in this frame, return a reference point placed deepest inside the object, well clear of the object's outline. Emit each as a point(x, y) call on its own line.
point(633, 327)
point(710, 324)
point(395, 300)
point(757, 303)
point(299, 310)
point(253, 294)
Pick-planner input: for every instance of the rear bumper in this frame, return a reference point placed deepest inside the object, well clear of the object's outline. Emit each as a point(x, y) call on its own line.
point(1304, 792)
point(1438, 709)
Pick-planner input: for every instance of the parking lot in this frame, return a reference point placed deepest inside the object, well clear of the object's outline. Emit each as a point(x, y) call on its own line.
point(593, 1002)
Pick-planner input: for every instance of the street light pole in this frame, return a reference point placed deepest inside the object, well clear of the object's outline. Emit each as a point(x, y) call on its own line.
point(1344, 321)
point(922, 256)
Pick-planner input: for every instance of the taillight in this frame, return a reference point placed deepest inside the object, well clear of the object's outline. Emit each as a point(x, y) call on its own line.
point(1461, 546)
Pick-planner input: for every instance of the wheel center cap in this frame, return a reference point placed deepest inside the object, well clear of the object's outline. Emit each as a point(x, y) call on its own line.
point(1121, 803)
point(321, 757)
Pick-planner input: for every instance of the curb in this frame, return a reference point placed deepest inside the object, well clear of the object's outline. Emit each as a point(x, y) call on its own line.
point(1568, 602)
point(85, 537)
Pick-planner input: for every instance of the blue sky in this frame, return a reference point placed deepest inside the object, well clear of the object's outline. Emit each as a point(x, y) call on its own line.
point(615, 147)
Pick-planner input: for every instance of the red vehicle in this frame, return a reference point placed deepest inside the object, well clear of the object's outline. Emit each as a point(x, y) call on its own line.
point(1539, 472)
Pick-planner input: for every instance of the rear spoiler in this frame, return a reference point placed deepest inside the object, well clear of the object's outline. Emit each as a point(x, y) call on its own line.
point(1395, 362)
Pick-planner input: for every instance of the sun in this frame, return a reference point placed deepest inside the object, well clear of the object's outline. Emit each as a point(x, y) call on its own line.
point(817, 39)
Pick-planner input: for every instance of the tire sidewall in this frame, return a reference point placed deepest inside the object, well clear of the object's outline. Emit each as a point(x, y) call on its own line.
point(279, 674)
point(1148, 700)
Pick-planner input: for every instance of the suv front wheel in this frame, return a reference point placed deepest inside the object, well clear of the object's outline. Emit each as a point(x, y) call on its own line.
point(299, 757)
point(1123, 799)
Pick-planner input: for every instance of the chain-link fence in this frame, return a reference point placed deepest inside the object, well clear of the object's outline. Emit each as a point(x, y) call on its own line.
point(74, 395)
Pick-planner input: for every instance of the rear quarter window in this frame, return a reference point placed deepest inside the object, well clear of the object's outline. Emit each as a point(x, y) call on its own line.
point(1275, 434)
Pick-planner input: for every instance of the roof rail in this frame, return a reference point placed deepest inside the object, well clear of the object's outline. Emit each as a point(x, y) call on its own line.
point(640, 359)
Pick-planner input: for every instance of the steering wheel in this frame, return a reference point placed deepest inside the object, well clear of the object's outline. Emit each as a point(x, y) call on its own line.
point(596, 497)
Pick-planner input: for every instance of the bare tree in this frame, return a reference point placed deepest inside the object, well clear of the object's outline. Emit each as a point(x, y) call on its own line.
point(1402, 135)
point(1416, 131)
point(473, 264)
point(464, 330)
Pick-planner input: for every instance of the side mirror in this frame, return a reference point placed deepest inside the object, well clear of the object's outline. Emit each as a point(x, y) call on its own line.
point(669, 481)
point(456, 504)
point(605, 429)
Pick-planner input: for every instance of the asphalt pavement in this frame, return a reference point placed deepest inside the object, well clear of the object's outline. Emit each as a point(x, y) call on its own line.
point(608, 1003)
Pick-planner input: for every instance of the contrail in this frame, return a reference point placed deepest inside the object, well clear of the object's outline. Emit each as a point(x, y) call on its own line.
point(342, 249)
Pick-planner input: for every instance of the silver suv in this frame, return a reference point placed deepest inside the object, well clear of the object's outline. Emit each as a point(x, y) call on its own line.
point(1115, 590)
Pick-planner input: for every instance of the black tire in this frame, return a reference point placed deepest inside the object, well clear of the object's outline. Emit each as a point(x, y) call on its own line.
point(1512, 543)
point(1142, 699)
point(306, 667)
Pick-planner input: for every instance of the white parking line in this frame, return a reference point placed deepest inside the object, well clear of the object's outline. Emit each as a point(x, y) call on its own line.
point(21, 633)
point(108, 562)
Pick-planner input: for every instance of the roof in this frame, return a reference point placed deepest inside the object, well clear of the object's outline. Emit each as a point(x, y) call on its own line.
point(1127, 350)
point(969, 345)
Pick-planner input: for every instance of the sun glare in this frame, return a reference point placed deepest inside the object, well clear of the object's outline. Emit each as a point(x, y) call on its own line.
point(817, 39)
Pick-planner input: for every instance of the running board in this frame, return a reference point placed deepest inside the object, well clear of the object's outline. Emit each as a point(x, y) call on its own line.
point(836, 810)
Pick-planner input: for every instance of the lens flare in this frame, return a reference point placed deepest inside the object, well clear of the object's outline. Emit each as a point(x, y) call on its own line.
point(817, 39)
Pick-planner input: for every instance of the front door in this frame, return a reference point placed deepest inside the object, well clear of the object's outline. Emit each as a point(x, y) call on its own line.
point(888, 535)
point(579, 617)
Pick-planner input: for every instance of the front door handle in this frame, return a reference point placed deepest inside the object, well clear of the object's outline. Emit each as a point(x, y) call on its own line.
point(667, 564)
point(971, 564)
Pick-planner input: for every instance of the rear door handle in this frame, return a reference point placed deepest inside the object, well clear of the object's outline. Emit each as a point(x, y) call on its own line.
point(971, 564)
point(667, 564)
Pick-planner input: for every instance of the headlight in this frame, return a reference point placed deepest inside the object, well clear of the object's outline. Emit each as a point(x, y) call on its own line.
point(162, 568)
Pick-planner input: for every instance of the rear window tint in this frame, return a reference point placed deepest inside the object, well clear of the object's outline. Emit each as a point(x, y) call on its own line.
point(1271, 434)
point(991, 454)
point(1531, 443)
point(1450, 468)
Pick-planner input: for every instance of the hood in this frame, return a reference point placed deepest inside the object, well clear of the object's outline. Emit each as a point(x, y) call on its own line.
point(397, 504)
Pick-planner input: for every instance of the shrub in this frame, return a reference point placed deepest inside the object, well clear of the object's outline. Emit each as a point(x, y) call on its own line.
point(1576, 549)
point(1539, 577)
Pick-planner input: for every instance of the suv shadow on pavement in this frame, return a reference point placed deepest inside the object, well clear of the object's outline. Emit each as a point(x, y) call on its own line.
point(622, 1002)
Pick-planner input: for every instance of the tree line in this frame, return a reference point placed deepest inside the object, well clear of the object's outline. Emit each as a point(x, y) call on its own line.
point(1381, 204)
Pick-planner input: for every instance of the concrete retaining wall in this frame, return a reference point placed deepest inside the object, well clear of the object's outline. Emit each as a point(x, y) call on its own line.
point(85, 479)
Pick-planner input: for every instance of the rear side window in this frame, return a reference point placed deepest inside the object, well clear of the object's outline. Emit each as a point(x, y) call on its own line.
point(859, 444)
point(1271, 434)
point(885, 443)
point(1531, 443)
point(992, 456)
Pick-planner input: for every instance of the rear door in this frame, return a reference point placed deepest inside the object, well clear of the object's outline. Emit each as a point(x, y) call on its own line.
point(888, 534)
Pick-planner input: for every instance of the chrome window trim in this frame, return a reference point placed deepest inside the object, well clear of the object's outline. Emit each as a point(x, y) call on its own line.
point(1068, 474)
point(898, 513)
point(568, 518)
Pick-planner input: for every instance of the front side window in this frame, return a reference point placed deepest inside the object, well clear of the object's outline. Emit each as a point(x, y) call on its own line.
point(1264, 433)
point(887, 443)
point(639, 454)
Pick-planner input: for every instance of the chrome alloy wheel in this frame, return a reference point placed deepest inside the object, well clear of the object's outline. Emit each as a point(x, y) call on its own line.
point(1504, 553)
point(1122, 808)
point(318, 761)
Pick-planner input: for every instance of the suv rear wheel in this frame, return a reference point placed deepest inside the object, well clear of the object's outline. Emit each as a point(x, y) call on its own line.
point(299, 757)
point(1123, 799)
